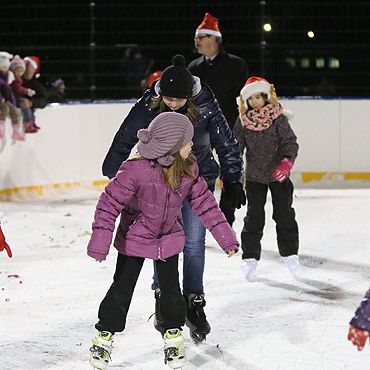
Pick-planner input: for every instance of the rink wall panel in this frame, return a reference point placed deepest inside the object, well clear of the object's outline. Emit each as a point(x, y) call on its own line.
point(69, 149)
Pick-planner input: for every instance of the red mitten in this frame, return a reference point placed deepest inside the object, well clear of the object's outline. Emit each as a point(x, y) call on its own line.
point(281, 172)
point(358, 337)
point(4, 244)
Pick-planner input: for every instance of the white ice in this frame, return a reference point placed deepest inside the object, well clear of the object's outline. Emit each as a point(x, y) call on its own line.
point(50, 292)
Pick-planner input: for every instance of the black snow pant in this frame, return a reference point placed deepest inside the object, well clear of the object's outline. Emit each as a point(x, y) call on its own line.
point(114, 307)
point(283, 215)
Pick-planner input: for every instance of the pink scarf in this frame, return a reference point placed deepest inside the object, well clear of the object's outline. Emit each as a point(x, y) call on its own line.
point(261, 119)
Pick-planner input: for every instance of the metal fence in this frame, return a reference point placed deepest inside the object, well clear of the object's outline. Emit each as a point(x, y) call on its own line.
point(104, 49)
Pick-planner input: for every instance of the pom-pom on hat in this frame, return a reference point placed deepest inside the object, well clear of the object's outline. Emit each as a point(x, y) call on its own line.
point(209, 26)
point(254, 85)
point(166, 135)
point(16, 62)
point(35, 62)
point(176, 81)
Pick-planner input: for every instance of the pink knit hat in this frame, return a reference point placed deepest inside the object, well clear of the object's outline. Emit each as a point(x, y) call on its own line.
point(16, 62)
point(166, 135)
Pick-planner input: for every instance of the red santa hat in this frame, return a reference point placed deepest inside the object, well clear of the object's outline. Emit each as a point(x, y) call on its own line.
point(154, 77)
point(254, 85)
point(209, 26)
point(35, 62)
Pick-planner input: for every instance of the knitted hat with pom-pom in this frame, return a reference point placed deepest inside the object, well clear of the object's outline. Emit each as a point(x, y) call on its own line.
point(16, 62)
point(166, 135)
point(176, 81)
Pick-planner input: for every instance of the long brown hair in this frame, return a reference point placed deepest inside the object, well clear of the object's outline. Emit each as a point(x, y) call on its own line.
point(192, 112)
point(172, 174)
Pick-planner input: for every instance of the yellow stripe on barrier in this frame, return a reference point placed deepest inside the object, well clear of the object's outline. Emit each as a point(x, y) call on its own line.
point(35, 191)
point(320, 176)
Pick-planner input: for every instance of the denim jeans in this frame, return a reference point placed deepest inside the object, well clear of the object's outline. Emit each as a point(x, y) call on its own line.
point(28, 114)
point(194, 253)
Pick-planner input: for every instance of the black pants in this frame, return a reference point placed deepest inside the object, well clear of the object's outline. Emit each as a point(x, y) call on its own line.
point(227, 209)
point(114, 307)
point(283, 214)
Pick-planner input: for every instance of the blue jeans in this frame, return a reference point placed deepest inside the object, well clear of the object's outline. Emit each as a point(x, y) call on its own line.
point(194, 253)
point(28, 114)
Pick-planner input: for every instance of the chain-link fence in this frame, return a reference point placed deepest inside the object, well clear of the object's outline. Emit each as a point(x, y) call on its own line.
point(104, 49)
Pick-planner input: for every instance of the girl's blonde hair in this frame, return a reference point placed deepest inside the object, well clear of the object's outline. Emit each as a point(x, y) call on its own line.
point(192, 112)
point(172, 174)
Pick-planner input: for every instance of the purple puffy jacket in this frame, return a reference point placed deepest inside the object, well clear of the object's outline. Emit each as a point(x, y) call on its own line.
point(362, 315)
point(151, 221)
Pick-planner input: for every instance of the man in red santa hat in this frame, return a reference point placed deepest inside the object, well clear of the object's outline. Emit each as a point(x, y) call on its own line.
point(224, 73)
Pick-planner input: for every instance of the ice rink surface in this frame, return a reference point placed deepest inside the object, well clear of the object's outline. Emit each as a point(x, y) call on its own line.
point(51, 290)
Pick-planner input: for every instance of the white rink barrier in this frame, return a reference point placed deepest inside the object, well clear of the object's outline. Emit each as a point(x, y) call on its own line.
point(69, 150)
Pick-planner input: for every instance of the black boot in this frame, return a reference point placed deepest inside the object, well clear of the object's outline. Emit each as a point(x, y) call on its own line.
point(196, 319)
point(157, 316)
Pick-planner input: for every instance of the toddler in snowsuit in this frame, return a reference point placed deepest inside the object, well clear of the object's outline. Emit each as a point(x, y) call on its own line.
point(271, 148)
point(3, 243)
point(360, 323)
point(150, 189)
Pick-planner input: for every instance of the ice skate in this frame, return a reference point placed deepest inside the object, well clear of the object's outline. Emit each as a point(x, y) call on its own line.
point(174, 350)
point(249, 267)
point(18, 134)
point(101, 350)
point(292, 262)
point(196, 319)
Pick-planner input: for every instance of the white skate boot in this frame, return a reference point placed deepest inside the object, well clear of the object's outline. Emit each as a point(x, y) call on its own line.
point(249, 267)
point(292, 262)
point(101, 350)
point(174, 350)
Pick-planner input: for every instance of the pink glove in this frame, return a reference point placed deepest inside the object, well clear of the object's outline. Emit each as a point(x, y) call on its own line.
point(31, 92)
point(281, 172)
point(358, 337)
point(4, 244)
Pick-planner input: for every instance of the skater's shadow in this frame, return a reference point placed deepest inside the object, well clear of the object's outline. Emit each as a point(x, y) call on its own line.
point(208, 356)
point(325, 263)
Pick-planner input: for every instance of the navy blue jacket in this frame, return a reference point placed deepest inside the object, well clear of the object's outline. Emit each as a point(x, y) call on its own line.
point(210, 131)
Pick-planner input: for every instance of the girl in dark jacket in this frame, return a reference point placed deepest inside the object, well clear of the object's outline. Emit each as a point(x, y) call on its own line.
point(177, 90)
point(271, 148)
point(360, 323)
point(151, 189)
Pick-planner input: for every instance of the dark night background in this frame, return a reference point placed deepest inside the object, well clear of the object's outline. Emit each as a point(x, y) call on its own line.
point(92, 44)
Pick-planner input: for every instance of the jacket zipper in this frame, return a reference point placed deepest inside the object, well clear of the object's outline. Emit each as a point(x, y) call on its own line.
point(162, 225)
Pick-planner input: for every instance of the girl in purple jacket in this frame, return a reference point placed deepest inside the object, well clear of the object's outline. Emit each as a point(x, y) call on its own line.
point(359, 330)
point(271, 149)
point(150, 188)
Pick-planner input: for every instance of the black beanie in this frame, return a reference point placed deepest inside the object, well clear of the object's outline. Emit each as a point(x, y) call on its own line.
point(176, 81)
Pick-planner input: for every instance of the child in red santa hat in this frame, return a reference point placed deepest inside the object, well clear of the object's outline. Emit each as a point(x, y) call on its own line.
point(271, 149)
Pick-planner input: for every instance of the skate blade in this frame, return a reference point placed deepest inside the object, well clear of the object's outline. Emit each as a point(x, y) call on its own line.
point(196, 335)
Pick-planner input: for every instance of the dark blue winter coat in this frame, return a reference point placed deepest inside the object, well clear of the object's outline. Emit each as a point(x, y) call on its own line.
point(211, 131)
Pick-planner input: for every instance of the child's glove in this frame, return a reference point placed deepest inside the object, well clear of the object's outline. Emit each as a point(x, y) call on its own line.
point(234, 194)
point(281, 172)
point(358, 337)
point(4, 244)
point(31, 92)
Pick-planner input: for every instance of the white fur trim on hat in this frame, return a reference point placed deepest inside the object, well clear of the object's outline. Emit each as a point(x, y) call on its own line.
point(208, 32)
point(33, 63)
point(259, 85)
